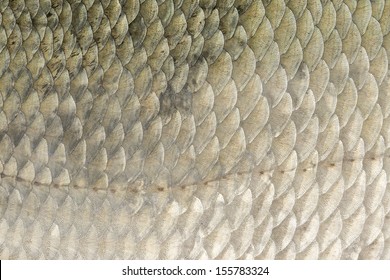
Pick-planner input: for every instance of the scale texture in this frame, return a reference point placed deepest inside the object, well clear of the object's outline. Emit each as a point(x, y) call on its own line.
point(194, 129)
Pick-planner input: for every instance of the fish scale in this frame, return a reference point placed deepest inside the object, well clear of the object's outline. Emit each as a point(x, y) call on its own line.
point(194, 129)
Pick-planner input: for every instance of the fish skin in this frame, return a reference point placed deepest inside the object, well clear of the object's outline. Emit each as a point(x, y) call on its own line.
point(194, 129)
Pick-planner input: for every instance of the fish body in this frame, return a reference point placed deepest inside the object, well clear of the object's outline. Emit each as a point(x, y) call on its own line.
point(194, 129)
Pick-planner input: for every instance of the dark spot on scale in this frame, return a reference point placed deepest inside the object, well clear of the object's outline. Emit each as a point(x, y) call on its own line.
point(137, 30)
point(304, 169)
point(373, 158)
point(113, 190)
point(160, 189)
point(171, 101)
point(332, 164)
point(134, 190)
point(56, 186)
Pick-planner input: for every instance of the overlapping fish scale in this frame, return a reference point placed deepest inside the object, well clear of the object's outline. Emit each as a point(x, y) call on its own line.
point(104, 75)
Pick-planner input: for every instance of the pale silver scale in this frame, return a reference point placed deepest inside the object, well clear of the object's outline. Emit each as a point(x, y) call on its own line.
point(194, 129)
